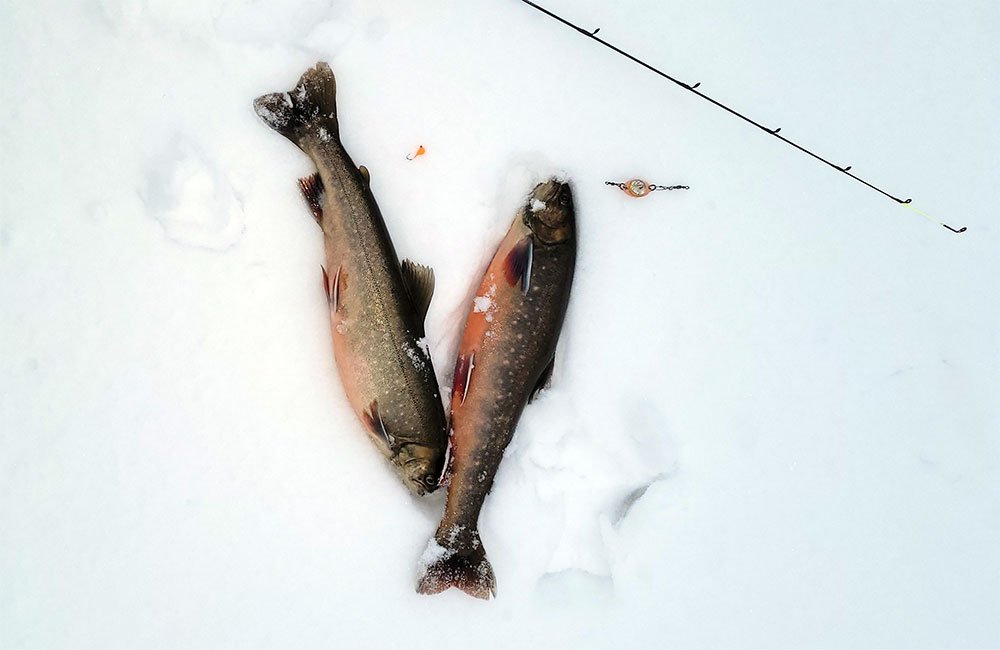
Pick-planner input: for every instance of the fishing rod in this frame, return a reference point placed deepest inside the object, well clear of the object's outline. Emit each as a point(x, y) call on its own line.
point(774, 132)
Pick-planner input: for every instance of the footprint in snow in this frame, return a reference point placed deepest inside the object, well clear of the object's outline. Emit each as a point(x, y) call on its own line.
point(588, 472)
point(192, 199)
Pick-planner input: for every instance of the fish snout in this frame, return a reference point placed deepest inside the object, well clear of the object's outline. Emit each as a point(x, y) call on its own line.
point(421, 472)
point(549, 211)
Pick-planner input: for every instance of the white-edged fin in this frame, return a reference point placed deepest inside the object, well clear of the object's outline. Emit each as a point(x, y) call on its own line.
point(447, 461)
point(517, 265)
point(335, 296)
point(526, 280)
point(468, 376)
point(326, 284)
point(373, 421)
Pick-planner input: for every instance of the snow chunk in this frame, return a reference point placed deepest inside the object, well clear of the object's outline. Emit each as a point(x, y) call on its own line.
point(419, 361)
point(537, 205)
point(481, 303)
point(433, 554)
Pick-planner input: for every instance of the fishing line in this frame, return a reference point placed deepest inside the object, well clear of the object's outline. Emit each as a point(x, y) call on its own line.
point(693, 88)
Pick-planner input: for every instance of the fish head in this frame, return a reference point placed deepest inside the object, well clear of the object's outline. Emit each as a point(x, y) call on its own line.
point(420, 467)
point(549, 212)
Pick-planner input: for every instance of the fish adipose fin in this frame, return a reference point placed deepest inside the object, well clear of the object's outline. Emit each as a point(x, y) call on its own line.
point(544, 380)
point(307, 111)
point(419, 281)
point(313, 191)
point(517, 266)
point(464, 566)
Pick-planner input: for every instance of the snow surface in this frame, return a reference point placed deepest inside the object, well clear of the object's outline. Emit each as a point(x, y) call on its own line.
point(774, 415)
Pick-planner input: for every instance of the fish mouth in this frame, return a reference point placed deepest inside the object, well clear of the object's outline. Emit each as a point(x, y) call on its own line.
point(419, 477)
point(549, 191)
point(549, 212)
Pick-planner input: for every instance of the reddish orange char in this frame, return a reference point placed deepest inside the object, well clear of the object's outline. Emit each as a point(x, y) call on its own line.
point(494, 301)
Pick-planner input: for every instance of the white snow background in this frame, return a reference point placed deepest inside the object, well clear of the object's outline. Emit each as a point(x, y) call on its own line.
point(774, 415)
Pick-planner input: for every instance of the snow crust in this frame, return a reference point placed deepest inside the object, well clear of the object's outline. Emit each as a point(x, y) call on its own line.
point(774, 414)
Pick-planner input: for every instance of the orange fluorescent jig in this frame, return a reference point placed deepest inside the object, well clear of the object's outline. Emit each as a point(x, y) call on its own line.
point(420, 151)
point(638, 188)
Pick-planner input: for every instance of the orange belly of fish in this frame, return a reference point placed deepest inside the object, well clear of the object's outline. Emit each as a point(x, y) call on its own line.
point(491, 306)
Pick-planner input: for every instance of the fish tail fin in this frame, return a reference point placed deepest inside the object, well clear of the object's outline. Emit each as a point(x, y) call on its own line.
point(309, 109)
point(464, 565)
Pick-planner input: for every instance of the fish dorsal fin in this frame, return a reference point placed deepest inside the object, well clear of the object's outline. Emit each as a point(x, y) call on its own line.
point(313, 192)
point(419, 281)
point(543, 380)
point(517, 266)
point(365, 174)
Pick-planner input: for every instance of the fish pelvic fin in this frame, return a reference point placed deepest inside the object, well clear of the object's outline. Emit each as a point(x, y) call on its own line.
point(308, 111)
point(462, 564)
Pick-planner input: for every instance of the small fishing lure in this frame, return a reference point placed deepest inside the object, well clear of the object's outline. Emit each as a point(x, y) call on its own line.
point(638, 188)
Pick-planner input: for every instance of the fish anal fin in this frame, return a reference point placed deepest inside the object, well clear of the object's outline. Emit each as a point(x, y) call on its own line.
point(419, 281)
point(313, 192)
point(544, 380)
point(517, 265)
point(365, 174)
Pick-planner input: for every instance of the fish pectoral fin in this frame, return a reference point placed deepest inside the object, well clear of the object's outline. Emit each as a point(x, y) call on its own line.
point(365, 174)
point(544, 380)
point(419, 281)
point(313, 192)
point(373, 422)
point(517, 266)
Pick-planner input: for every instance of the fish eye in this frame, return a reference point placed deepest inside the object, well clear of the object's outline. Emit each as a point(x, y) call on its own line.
point(430, 480)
